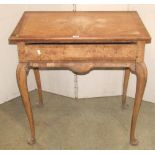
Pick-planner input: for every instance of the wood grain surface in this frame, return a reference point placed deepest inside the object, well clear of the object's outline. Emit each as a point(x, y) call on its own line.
point(80, 27)
point(79, 52)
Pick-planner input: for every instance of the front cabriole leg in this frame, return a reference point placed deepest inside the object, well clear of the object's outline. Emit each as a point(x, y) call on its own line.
point(22, 70)
point(141, 74)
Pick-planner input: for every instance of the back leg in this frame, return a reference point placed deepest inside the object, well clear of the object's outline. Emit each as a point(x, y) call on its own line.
point(38, 82)
point(125, 86)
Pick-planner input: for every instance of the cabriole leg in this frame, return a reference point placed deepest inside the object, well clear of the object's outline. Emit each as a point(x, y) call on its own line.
point(141, 74)
point(22, 69)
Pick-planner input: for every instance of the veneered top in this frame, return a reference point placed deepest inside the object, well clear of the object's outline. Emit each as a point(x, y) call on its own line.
point(80, 27)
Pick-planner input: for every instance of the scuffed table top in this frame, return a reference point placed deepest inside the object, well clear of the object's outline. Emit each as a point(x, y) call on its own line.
point(82, 27)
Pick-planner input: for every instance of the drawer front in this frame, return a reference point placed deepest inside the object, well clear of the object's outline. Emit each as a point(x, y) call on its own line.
point(80, 52)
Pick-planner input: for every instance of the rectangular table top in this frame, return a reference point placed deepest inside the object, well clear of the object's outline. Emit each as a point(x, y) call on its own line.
point(80, 27)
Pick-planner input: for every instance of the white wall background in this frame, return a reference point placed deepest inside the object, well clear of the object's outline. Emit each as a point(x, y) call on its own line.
point(96, 83)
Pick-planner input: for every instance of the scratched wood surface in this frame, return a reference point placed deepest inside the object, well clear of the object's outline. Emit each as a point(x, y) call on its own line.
point(79, 52)
point(80, 27)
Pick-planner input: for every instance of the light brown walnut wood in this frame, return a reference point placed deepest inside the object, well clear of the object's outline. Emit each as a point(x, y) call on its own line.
point(80, 27)
point(82, 67)
point(141, 74)
point(22, 84)
point(125, 86)
point(38, 82)
point(74, 52)
point(81, 42)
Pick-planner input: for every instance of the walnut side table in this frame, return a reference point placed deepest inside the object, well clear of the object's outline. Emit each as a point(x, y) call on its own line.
point(80, 42)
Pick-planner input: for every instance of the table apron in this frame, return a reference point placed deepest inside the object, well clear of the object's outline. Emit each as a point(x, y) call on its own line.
point(83, 67)
point(75, 52)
